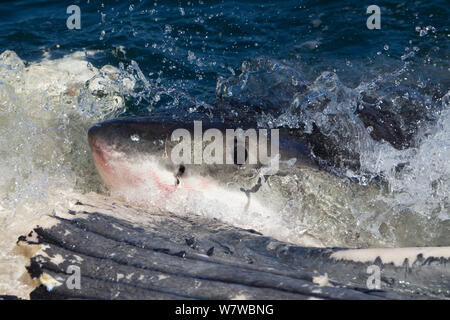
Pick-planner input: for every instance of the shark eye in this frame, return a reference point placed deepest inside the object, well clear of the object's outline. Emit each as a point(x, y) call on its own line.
point(180, 172)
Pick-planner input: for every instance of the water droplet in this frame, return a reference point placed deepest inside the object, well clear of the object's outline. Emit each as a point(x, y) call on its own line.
point(167, 29)
point(191, 56)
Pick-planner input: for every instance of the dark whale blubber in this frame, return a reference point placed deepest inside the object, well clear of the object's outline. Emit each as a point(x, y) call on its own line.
point(125, 252)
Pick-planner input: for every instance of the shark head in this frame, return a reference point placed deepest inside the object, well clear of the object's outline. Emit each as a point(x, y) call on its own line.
point(158, 162)
point(141, 154)
point(131, 155)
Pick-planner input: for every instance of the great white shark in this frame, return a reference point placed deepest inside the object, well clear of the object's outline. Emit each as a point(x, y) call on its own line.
point(134, 158)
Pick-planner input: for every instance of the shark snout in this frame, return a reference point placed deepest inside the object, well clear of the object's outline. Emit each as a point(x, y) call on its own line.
point(101, 151)
point(98, 151)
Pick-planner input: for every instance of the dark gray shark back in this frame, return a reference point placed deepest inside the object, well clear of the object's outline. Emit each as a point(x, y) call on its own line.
point(153, 129)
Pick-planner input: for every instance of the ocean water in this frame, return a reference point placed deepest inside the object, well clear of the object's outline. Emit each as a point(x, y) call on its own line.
point(308, 65)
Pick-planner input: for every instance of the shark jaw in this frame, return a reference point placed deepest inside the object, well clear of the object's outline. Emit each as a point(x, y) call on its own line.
point(146, 183)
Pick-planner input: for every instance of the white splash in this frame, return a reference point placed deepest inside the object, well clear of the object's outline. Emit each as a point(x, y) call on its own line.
point(46, 109)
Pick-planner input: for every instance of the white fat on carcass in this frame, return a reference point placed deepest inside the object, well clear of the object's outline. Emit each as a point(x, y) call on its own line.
point(396, 256)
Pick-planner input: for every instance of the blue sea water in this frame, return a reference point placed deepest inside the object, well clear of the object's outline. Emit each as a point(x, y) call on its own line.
point(191, 44)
